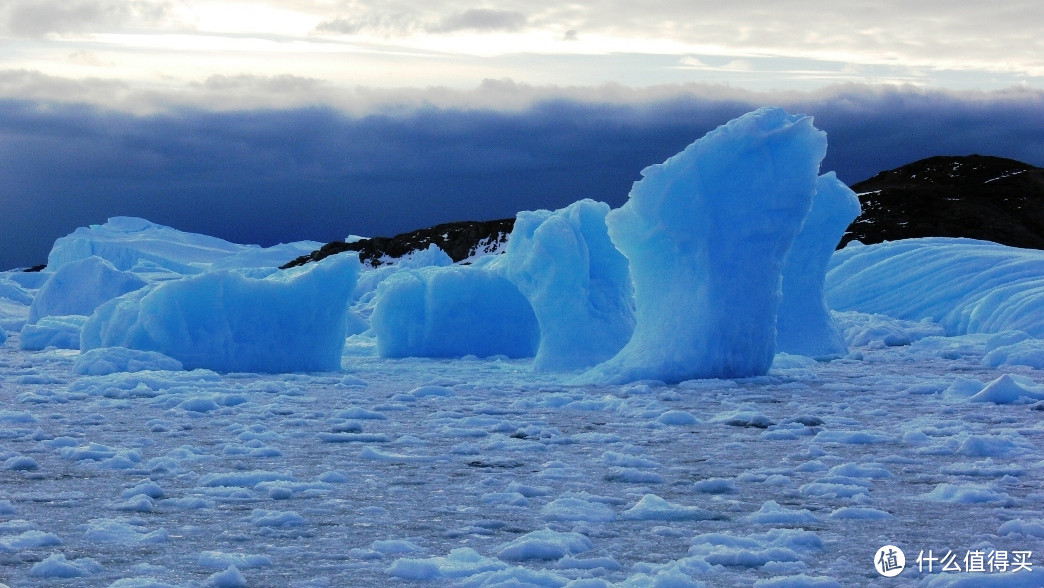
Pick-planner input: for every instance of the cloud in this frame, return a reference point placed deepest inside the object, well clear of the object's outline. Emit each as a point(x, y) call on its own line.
point(271, 175)
point(381, 23)
point(482, 19)
point(253, 83)
point(424, 20)
point(36, 18)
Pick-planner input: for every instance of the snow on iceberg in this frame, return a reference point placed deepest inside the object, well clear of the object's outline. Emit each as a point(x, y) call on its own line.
point(81, 286)
point(967, 286)
point(707, 233)
point(452, 312)
point(292, 321)
point(575, 279)
point(804, 325)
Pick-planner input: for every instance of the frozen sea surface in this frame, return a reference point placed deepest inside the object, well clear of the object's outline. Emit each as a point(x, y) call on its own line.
point(484, 472)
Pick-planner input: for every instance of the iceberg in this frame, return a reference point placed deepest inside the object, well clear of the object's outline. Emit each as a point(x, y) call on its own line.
point(965, 285)
point(576, 280)
point(452, 312)
point(79, 287)
point(227, 322)
point(130, 242)
point(707, 234)
point(804, 325)
point(125, 241)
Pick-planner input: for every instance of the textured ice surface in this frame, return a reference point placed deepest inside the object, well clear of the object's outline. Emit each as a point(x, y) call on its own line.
point(966, 286)
point(576, 281)
point(483, 471)
point(804, 325)
point(707, 233)
point(453, 312)
point(228, 322)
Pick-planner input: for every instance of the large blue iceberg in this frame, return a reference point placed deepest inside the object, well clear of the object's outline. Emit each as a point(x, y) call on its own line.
point(707, 234)
point(225, 321)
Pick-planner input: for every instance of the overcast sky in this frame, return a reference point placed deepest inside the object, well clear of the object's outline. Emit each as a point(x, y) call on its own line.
point(271, 121)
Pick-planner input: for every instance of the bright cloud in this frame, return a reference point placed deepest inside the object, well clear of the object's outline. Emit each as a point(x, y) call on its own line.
point(174, 47)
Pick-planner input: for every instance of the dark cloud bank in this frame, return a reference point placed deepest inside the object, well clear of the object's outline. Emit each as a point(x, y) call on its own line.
point(315, 173)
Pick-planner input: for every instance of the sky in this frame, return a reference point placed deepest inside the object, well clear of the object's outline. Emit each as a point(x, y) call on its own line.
point(262, 122)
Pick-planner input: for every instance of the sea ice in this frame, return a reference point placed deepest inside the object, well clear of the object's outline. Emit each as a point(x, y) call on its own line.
point(545, 544)
point(771, 513)
point(653, 508)
point(15, 292)
point(229, 578)
point(62, 332)
point(966, 494)
point(707, 234)
point(578, 509)
point(1007, 390)
point(110, 360)
point(57, 566)
point(1028, 352)
point(461, 562)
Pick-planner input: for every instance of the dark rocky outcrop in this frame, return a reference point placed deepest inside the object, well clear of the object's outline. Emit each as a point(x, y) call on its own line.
point(975, 196)
point(459, 240)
